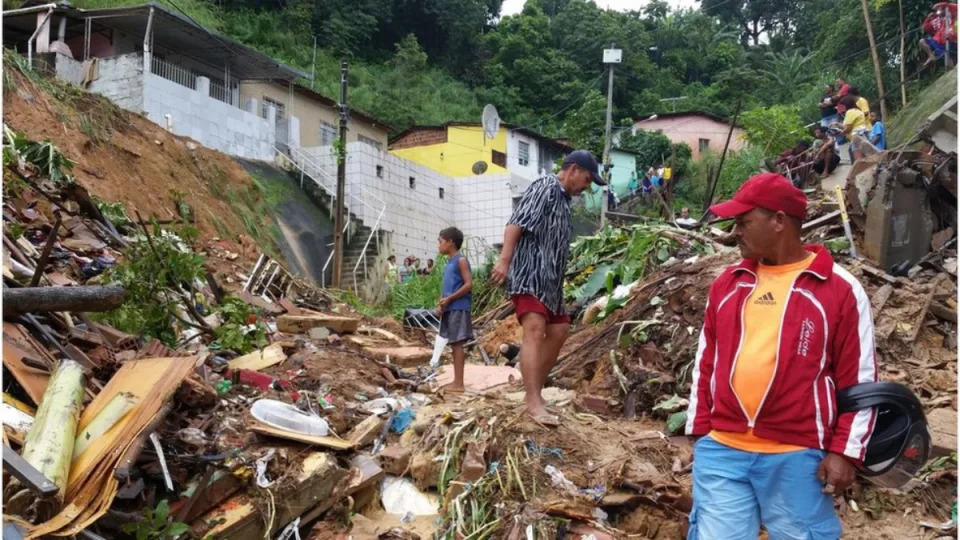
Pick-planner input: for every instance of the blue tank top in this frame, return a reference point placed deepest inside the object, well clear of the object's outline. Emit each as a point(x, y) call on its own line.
point(452, 280)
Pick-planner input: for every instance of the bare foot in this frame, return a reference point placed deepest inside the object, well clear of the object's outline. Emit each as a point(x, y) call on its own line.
point(451, 389)
point(543, 418)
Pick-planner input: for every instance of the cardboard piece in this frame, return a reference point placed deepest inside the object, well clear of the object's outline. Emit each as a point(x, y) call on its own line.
point(479, 378)
point(327, 442)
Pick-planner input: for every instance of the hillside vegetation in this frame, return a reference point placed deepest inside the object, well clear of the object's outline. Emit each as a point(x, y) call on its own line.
point(440, 60)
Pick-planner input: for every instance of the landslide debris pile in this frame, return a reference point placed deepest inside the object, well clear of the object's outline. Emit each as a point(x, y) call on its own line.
point(149, 398)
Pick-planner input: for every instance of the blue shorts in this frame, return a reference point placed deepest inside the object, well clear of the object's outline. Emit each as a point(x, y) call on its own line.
point(938, 49)
point(735, 491)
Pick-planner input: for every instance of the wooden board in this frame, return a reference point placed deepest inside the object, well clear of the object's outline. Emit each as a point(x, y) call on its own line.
point(257, 360)
point(299, 324)
point(242, 517)
point(327, 442)
point(401, 356)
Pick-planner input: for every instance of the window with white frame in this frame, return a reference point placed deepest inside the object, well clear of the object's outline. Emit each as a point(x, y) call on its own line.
point(370, 142)
point(523, 153)
point(328, 133)
point(266, 103)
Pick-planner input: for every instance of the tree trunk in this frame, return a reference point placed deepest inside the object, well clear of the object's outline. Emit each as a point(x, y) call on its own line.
point(903, 58)
point(76, 299)
point(876, 58)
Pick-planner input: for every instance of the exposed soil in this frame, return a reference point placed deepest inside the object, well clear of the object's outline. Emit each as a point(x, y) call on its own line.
point(121, 156)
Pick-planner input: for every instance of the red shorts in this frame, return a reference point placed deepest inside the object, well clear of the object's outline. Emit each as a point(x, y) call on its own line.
point(527, 303)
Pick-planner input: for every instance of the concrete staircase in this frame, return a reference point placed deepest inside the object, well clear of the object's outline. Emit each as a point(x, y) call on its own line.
point(363, 260)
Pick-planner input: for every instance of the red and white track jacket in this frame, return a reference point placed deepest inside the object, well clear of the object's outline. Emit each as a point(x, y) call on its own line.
point(826, 343)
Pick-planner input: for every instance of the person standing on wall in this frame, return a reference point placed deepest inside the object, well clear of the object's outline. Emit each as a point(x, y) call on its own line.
point(533, 261)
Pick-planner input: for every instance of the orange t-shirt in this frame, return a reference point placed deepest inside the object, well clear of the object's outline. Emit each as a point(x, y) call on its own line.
point(757, 361)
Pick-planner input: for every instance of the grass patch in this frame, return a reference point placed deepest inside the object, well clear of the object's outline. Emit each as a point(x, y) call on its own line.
point(94, 115)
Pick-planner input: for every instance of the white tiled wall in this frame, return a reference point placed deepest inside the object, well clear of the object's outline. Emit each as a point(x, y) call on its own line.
point(477, 205)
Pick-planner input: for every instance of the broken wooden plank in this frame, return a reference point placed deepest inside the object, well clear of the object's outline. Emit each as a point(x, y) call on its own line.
point(918, 324)
point(222, 485)
point(85, 298)
point(943, 312)
point(943, 430)
point(257, 360)
point(880, 299)
point(386, 334)
point(401, 356)
point(299, 324)
point(364, 474)
point(822, 220)
point(327, 442)
point(879, 274)
point(85, 338)
point(366, 431)
point(242, 518)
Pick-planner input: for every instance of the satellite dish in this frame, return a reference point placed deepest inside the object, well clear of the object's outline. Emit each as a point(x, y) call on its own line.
point(490, 121)
point(479, 167)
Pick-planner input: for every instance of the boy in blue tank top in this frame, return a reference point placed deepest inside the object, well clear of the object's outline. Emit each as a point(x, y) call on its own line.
point(455, 300)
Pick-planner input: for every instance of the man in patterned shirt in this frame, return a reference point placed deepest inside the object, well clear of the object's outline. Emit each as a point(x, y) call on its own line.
point(536, 246)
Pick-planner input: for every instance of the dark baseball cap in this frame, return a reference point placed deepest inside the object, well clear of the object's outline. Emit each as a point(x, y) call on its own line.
point(585, 160)
point(769, 191)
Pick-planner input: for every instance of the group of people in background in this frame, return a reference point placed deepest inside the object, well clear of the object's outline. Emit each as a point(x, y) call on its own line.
point(845, 116)
point(411, 268)
point(646, 183)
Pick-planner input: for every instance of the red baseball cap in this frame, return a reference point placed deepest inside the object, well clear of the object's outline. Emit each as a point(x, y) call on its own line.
point(769, 191)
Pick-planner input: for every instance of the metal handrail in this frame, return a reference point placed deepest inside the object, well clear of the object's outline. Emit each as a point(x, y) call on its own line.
point(173, 72)
point(311, 161)
point(296, 153)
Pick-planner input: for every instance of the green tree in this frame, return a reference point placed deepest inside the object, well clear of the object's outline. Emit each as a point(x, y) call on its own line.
point(773, 129)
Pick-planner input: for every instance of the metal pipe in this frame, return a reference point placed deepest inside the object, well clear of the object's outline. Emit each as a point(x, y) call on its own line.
point(40, 26)
point(31, 9)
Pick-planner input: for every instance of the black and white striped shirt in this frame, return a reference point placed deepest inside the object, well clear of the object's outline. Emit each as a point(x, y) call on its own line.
point(540, 258)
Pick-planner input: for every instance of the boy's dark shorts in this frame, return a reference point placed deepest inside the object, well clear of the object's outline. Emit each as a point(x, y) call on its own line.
point(455, 326)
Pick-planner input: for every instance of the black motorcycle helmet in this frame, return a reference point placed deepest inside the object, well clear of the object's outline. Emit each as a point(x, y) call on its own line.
point(900, 444)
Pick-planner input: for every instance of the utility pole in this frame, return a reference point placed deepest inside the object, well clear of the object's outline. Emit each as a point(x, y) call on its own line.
point(341, 180)
point(903, 59)
point(611, 56)
point(876, 59)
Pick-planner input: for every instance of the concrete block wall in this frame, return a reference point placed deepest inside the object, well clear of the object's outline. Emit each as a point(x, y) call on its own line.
point(209, 121)
point(121, 81)
point(480, 205)
point(484, 204)
point(68, 69)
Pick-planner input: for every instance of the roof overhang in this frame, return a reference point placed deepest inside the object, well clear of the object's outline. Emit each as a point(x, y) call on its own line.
point(171, 30)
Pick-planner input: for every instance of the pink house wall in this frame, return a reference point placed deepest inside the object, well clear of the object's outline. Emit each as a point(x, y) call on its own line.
point(691, 128)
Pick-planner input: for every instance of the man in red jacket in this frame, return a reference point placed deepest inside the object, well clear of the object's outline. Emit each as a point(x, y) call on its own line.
point(784, 330)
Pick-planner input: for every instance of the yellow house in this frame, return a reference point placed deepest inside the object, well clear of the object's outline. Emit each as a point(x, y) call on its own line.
point(460, 149)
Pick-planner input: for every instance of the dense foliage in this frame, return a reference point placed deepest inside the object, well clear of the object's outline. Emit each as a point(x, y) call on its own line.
point(439, 60)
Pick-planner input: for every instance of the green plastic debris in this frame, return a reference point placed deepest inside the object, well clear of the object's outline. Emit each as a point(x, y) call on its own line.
point(837, 245)
point(676, 421)
point(223, 387)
